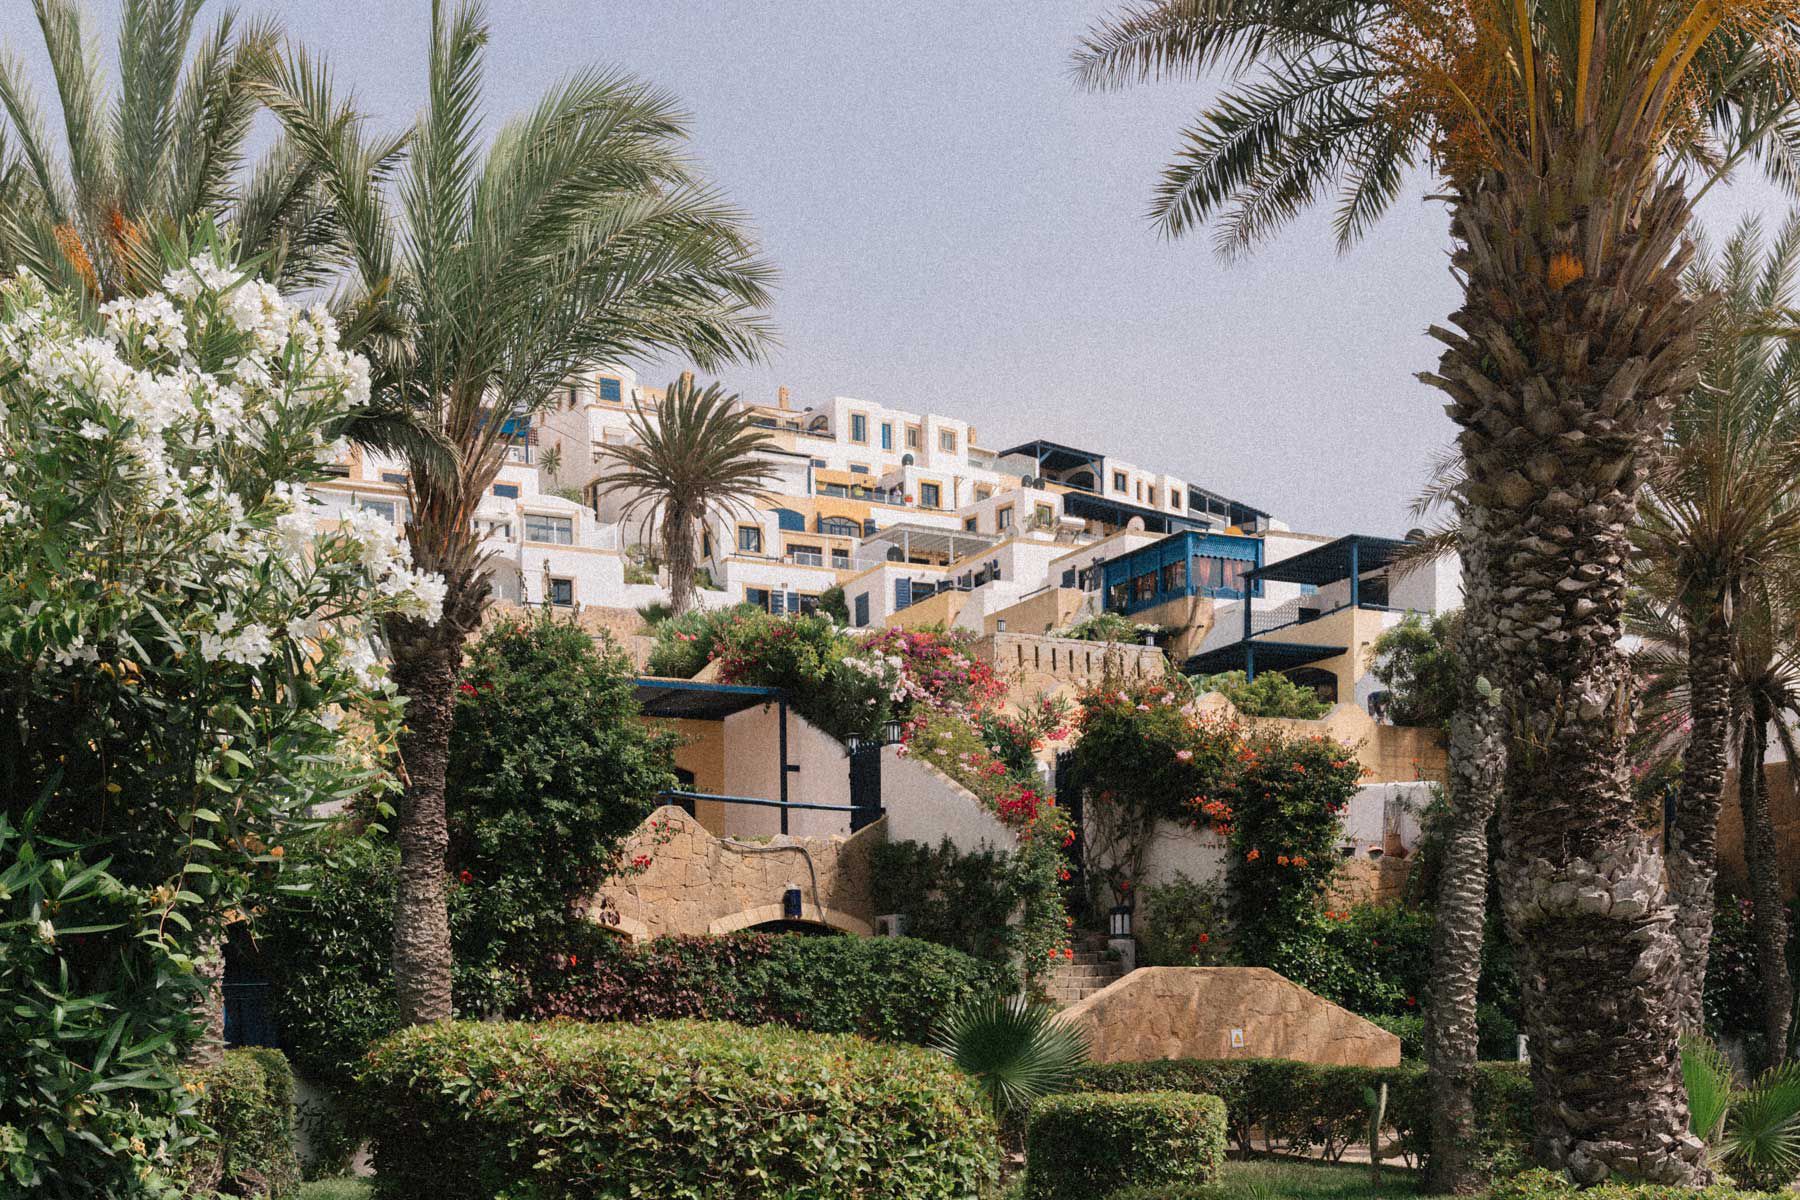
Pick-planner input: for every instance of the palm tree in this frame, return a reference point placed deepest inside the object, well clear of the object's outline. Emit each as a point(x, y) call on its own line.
point(580, 234)
point(697, 456)
point(1016, 1051)
point(1561, 131)
point(166, 153)
point(1720, 514)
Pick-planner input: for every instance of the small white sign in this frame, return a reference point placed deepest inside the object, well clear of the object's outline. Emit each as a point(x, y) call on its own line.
point(1524, 1050)
point(1237, 1039)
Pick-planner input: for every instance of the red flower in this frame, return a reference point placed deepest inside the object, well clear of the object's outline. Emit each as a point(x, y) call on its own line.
point(1068, 952)
point(573, 961)
point(1204, 938)
point(1411, 1002)
point(465, 877)
point(466, 688)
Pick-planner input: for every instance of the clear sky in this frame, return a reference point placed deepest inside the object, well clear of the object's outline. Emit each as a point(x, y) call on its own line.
point(959, 229)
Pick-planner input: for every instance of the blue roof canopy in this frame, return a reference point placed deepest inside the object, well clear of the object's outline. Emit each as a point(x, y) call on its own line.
point(1260, 656)
point(1332, 561)
point(693, 700)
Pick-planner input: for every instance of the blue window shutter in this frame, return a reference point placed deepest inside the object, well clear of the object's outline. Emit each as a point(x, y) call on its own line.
point(793, 602)
point(1068, 579)
point(862, 610)
point(902, 593)
point(775, 602)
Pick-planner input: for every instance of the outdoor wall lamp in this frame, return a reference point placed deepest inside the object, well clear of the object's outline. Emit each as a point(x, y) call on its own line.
point(892, 731)
point(790, 904)
point(1119, 924)
point(854, 742)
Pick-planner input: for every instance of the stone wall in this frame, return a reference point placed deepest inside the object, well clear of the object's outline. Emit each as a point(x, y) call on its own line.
point(697, 883)
point(1191, 1012)
point(1035, 664)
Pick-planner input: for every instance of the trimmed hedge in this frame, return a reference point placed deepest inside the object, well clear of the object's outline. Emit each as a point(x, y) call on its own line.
point(247, 1104)
point(1084, 1146)
point(678, 1110)
point(892, 989)
point(1298, 1105)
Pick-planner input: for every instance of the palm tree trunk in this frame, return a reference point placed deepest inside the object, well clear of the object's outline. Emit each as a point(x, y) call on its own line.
point(678, 555)
point(1477, 767)
point(1693, 840)
point(1576, 339)
point(426, 662)
point(1768, 916)
point(209, 964)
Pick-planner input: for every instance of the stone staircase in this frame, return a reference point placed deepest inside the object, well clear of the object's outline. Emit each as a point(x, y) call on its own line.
point(1075, 979)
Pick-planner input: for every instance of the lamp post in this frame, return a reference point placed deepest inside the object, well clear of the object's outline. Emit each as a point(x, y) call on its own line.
point(790, 904)
point(891, 731)
point(1119, 939)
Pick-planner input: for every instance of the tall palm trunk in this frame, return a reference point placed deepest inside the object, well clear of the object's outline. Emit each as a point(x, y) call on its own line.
point(678, 556)
point(1693, 840)
point(1576, 338)
point(1768, 916)
point(1477, 767)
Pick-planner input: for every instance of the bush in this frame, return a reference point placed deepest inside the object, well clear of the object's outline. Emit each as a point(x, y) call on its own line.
point(1270, 694)
point(948, 897)
point(676, 1110)
point(1084, 1146)
point(892, 989)
point(1418, 663)
point(550, 770)
point(1304, 1106)
point(1183, 924)
point(247, 1102)
point(1373, 959)
point(685, 644)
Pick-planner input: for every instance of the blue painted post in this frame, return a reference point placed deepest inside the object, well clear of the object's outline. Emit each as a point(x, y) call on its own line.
point(781, 740)
point(1355, 577)
point(1249, 662)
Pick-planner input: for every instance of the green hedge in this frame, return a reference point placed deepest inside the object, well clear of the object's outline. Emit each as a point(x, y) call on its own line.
point(1296, 1105)
point(892, 989)
point(1086, 1146)
point(247, 1104)
point(678, 1110)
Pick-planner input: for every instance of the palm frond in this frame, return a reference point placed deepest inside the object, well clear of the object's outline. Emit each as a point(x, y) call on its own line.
point(1014, 1049)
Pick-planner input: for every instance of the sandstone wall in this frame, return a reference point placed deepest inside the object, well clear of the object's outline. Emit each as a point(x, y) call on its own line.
point(1784, 808)
point(1190, 1012)
point(698, 883)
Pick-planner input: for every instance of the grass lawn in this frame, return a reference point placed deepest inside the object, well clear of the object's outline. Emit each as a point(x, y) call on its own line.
point(335, 1189)
point(1264, 1179)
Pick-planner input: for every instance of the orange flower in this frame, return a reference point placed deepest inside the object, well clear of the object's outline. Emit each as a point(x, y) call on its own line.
point(1281, 860)
point(1253, 856)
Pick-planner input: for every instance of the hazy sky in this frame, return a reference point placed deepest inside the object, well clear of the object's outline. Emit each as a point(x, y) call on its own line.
point(959, 229)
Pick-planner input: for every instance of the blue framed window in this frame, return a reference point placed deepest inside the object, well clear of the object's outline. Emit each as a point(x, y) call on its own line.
point(859, 427)
point(903, 593)
point(611, 390)
point(507, 491)
point(887, 435)
point(839, 527)
point(749, 539)
point(862, 610)
point(789, 520)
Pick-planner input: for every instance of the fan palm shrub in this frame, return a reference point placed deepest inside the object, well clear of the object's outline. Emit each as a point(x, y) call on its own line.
point(1755, 1132)
point(1015, 1049)
point(500, 266)
point(1721, 515)
point(1565, 135)
point(696, 456)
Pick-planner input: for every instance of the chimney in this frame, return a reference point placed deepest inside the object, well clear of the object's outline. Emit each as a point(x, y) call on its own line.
point(781, 398)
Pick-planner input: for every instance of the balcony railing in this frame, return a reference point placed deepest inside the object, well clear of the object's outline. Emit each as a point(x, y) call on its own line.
point(803, 558)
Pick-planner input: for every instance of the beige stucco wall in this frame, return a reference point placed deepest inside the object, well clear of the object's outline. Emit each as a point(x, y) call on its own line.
point(1388, 753)
point(941, 609)
point(1040, 612)
point(753, 768)
point(1190, 1012)
point(698, 883)
point(925, 805)
point(1033, 664)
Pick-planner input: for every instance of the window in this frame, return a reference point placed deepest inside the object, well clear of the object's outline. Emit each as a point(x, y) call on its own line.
point(806, 556)
point(1118, 596)
point(859, 428)
point(562, 593)
point(840, 558)
point(969, 524)
point(611, 390)
point(929, 495)
point(705, 544)
point(1223, 575)
point(758, 597)
point(1174, 576)
point(859, 468)
point(947, 440)
point(862, 610)
point(912, 437)
point(749, 539)
point(804, 604)
point(398, 477)
point(1045, 514)
point(839, 527)
point(384, 508)
point(887, 435)
point(1120, 484)
point(573, 395)
point(818, 464)
point(558, 531)
point(495, 529)
point(1003, 518)
point(507, 491)
point(1143, 587)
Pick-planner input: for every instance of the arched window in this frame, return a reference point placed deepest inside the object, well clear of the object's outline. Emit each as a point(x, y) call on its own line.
point(839, 527)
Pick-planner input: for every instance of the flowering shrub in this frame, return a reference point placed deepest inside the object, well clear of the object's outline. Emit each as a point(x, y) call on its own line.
point(1145, 757)
point(1287, 797)
point(1183, 924)
point(189, 665)
point(938, 669)
point(1035, 873)
point(685, 644)
point(1270, 694)
point(828, 683)
point(1015, 738)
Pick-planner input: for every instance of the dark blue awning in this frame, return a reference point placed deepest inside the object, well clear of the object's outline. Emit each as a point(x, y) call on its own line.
point(1259, 656)
point(694, 700)
point(1331, 562)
